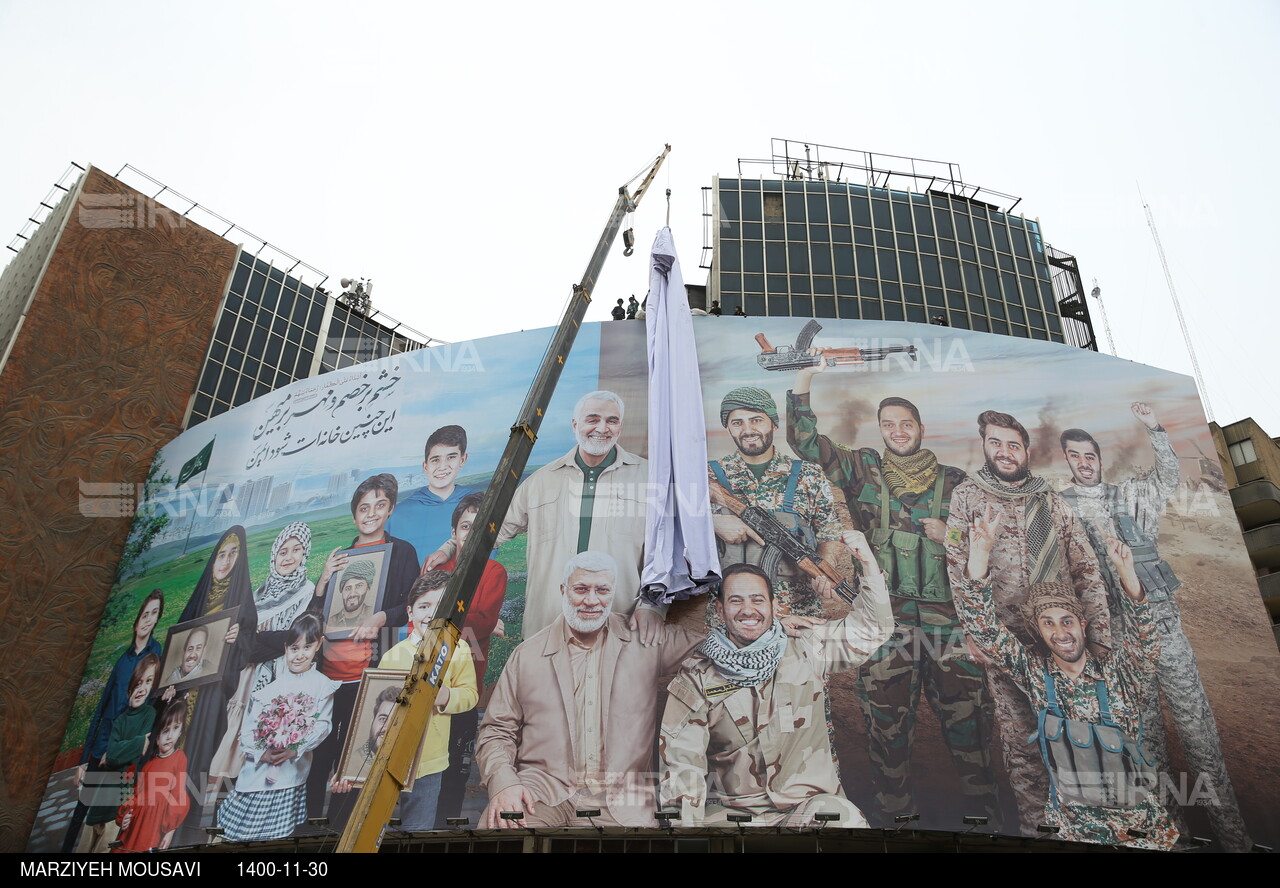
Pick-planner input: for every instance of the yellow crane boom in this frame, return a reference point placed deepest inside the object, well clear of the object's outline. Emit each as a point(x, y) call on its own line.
point(390, 769)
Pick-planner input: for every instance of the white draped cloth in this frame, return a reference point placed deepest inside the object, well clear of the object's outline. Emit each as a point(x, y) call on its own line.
point(680, 557)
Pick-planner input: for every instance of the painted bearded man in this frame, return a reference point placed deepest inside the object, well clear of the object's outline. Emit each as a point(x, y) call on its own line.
point(1038, 541)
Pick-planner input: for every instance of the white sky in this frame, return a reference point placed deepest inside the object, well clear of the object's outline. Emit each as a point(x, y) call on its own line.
point(466, 158)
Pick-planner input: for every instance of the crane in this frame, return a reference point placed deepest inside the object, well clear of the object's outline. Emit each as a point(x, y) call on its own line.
point(1106, 325)
point(390, 770)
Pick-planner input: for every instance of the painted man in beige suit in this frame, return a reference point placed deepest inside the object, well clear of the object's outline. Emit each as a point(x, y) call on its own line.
point(573, 720)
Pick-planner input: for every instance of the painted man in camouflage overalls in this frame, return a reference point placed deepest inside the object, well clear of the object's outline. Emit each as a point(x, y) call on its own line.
point(901, 501)
point(1131, 511)
point(1039, 541)
point(796, 492)
point(1088, 728)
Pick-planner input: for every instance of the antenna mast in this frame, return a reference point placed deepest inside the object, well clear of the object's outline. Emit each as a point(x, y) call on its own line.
point(1177, 307)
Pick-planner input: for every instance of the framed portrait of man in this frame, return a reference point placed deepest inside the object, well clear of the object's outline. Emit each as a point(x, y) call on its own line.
point(356, 592)
point(193, 650)
point(375, 702)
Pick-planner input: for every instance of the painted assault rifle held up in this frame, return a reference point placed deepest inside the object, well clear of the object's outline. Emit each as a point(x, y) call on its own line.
point(787, 357)
point(779, 541)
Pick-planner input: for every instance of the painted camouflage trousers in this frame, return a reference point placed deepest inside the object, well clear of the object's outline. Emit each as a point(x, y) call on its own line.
point(1178, 681)
point(889, 687)
point(1028, 776)
point(1110, 826)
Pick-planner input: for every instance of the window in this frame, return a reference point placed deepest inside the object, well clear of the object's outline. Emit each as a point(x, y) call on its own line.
point(795, 207)
point(881, 214)
point(817, 207)
point(730, 258)
point(799, 255)
point(1242, 452)
point(861, 211)
point(821, 256)
point(844, 259)
point(728, 205)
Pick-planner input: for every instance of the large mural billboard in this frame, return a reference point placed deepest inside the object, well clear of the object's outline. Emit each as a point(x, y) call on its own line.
point(966, 575)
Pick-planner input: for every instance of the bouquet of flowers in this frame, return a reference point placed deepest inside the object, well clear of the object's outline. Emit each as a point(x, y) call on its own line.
point(285, 723)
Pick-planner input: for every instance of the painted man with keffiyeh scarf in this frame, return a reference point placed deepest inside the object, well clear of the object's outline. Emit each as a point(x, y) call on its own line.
point(744, 730)
point(901, 500)
point(1039, 541)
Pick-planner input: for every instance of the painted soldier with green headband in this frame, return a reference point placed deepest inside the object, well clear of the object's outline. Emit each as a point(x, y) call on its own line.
point(796, 492)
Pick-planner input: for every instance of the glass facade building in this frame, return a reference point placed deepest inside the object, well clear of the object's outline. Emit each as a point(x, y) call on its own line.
point(354, 339)
point(265, 337)
point(806, 244)
point(274, 329)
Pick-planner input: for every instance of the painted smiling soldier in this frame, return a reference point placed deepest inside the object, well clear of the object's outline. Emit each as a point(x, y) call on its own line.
point(796, 492)
point(743, 731)
point(901, 499)
point(1040, 541)
point(1131, 511)
point(1089, 725)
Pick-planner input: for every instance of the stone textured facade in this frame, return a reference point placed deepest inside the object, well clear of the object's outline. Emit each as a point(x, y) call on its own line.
point(99, 377)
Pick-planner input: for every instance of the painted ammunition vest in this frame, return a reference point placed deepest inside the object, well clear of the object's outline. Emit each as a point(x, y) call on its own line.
point(1091, 763)
point(751, 552)
point(916, 565)
point(1157, 577)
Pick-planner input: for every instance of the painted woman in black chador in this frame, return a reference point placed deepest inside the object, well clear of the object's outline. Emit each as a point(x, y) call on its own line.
point(223, 585)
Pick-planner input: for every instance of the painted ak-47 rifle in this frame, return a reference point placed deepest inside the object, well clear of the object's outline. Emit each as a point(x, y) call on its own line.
point(778, 541)
point(787, 357)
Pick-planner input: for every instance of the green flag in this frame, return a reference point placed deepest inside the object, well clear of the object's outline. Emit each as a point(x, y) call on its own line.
point(196, 464)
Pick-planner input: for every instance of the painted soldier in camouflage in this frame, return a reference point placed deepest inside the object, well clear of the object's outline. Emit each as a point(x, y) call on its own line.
point(1039, 541)
point(1101, 789)
point(901, 500)
point(1131, 511)
point(796, 492)
point(743, 729)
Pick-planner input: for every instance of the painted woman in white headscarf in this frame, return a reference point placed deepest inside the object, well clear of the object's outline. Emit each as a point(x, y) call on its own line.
point(282, 596)
point(285, 594)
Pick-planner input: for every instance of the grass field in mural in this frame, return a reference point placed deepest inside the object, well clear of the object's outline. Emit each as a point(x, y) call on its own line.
point(177, 576)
